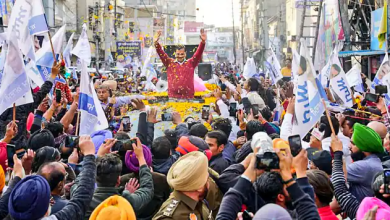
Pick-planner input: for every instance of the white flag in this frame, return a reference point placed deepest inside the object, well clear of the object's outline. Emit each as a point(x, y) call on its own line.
point(249, 68)
point(44, 56)
point(18, 27)
point(37, 23)
point(381, 74)
point(273, 67)
point(146, 68)
point(308, 105)
point(92, 114)
point(339, 86)
point(67, 55)
point(354, 78)
point(15, 87)
point(82, 49)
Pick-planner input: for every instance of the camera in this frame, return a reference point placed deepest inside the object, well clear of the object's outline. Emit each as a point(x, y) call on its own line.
point(124, 145)
point(266, 158)
point(267, 161)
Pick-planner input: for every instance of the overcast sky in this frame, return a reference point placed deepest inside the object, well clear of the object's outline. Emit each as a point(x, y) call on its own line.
point(218, 12)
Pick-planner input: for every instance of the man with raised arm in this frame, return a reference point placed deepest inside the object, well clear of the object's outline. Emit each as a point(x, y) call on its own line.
point(180, 71)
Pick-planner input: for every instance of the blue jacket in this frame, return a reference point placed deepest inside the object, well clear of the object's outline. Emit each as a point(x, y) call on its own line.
point(163, 165)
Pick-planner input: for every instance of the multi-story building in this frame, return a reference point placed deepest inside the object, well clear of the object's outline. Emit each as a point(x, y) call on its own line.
point(264, 26)
point(294, 10)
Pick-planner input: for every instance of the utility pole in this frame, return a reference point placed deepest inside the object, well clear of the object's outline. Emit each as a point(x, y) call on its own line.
point(115, 21)
point(107, 33)
point(343, 4)
point(136, 23)
point(264, 26)
point(234, 35)
point(242, 34)
point(96, 35)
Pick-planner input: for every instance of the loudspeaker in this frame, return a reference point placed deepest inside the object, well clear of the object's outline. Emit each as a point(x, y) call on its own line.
point(205, 71)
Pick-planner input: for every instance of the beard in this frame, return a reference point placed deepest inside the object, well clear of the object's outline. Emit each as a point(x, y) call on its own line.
point(357, 156)
point(204, 192)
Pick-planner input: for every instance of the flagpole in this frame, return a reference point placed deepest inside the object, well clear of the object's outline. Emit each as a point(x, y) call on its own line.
point(14, 113)
point(328, 116)
point(52, 48)
point(77, 123)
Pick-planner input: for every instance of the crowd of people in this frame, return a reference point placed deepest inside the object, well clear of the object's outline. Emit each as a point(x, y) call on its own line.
point(240, 167)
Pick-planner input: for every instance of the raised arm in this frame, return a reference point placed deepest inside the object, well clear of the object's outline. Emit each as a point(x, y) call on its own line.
point(165, 59)
point(199, 52)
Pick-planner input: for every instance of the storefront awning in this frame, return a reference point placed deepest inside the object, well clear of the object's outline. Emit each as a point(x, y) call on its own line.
point(361, 53)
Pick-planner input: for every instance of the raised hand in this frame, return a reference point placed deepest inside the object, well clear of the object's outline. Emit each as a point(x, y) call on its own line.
point(203, 35)
point(158, 36)
point(86, 145)
point(132, 185)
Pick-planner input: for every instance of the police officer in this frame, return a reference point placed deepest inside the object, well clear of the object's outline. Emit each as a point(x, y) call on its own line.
point(189, 179)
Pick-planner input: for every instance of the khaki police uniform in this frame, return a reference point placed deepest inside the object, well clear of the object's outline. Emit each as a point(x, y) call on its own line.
point(181, 207)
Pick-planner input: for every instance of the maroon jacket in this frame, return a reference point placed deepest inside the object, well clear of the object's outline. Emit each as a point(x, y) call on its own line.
point(181, 76)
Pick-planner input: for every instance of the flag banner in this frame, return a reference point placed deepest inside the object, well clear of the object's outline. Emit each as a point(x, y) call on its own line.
point(37, 23)
point(249, 68)
point(272, 67)
point(354, 78)
point(326, 70)
point(339, 86)
point(382, 74)
point(44, 56)
point(92, 115)
point(35, 74)
point(383, 27)
point(15, 86)
point(147, 68)
point(67, 55)
point(74, 74)
point(82, 49)
point(18, 27)
point(308, 104)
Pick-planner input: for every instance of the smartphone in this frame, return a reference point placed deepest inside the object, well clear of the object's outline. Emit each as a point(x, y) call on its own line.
point(110, 92)
point(255, 110)
point(386, 180)
point(70, 141)
point(233, 109)
point(120, 80)
point(205, 112)
point(223, 87)
point(247, 105)
point(295, 144)
point(246, 215)
point(372, 97)
point(58, 95)
point(10, 154)
point(380, 89)
point(166, 117)
point(126, 123)
point(124, 145)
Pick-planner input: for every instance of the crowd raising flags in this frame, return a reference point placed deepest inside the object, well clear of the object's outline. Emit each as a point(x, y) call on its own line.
point(92, 117)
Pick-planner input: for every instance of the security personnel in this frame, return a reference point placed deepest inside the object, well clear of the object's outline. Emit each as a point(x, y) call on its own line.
point(189, 179)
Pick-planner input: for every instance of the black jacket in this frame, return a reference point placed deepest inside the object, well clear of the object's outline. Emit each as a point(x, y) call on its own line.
point(240, 193)
point(141, 197)
point(161, 194)
point(244, 151)
point(23, 111)
point(218, 163)
point(163, 165)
